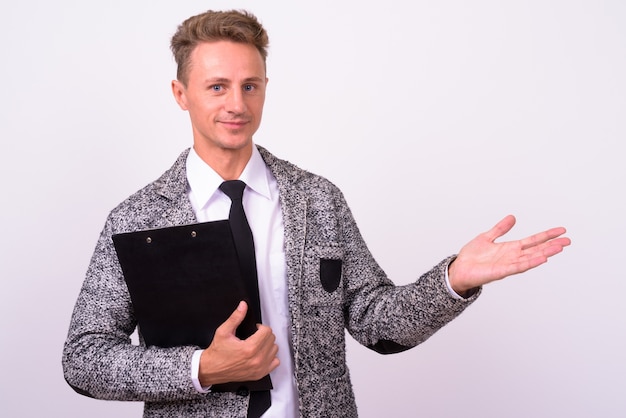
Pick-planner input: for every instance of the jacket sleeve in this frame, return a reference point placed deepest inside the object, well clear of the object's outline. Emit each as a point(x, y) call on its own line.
point(99, 359)
point(385, 317)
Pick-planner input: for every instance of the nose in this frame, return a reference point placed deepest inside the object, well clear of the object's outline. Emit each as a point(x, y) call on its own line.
point(235, 102)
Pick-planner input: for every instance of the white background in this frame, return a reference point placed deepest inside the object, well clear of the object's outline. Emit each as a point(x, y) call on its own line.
point(436, 119)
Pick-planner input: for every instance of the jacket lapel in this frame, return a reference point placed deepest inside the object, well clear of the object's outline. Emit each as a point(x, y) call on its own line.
point(293, 202)
point(173, 186)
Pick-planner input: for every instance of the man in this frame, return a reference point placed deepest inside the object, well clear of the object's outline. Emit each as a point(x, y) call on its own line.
point(316, 277)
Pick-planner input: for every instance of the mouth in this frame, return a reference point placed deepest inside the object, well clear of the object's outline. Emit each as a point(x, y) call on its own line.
point(234, 124)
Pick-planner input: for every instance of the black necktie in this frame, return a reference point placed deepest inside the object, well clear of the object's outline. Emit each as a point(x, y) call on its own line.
point(260, 401)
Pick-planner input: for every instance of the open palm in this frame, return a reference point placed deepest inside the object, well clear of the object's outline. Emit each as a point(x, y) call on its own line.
point(483, 260)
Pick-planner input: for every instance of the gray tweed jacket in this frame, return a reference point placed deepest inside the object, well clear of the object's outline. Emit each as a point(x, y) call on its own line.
point(100, 361)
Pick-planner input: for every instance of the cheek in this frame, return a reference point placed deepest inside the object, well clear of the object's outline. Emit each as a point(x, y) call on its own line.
point(256, 106)
point(202, 109)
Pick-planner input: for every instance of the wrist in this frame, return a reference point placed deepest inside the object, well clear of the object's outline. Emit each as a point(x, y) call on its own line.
point(463, 291)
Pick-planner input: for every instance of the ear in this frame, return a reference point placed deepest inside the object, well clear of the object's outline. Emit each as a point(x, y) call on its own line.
point(179, 91)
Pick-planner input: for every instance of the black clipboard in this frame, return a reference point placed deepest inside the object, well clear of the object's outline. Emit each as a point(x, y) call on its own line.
point(184, 282)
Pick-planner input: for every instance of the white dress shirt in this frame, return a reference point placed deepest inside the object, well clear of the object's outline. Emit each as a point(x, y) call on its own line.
point(262, 207)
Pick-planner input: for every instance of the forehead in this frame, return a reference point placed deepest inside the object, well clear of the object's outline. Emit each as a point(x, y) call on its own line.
point(226, 59)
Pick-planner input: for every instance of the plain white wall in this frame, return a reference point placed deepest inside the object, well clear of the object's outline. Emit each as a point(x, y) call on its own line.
point(435, 118)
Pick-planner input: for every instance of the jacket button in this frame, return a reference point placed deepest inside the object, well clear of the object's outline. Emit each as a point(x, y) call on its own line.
point(243, 391)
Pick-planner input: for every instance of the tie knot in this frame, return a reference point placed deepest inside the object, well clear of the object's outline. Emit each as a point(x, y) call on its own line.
point(233, 189)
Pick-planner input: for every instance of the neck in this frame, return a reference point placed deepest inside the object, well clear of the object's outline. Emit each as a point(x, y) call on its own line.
point(228, 163)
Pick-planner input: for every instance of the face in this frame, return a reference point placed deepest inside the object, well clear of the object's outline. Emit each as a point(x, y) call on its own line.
point(224, 96)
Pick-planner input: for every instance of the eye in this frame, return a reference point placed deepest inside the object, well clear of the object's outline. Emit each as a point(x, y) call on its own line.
point(248, 87)
point(216, 88)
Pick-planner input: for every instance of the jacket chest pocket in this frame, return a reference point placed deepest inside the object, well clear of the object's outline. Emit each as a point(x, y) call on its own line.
point(321, 350)
point(323, 276)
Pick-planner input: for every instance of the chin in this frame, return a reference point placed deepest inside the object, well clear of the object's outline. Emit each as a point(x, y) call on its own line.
point(236, 145)
point(225, 142)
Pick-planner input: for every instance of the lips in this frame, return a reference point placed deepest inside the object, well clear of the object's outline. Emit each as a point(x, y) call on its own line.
point(234, 124)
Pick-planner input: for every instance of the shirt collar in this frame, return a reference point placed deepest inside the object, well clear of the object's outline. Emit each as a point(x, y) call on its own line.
point(255, 174)
point(204, 181)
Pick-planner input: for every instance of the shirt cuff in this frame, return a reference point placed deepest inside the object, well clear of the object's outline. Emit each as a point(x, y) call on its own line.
point(195, 370)
point(450, 290)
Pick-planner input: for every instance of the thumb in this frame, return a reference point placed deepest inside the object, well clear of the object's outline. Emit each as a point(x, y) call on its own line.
point(235, 319)
point(501, 228)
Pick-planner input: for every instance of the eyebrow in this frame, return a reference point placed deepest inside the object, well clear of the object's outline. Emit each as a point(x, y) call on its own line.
point(226, 80)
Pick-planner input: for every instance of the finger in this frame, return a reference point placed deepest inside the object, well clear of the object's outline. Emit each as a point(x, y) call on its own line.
point(235, 319)
point(500, 228)
point(552, 247)
point(545, 250)
point(542, 237)
point(264, 336)
point(265, 342)
point(275, 363)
